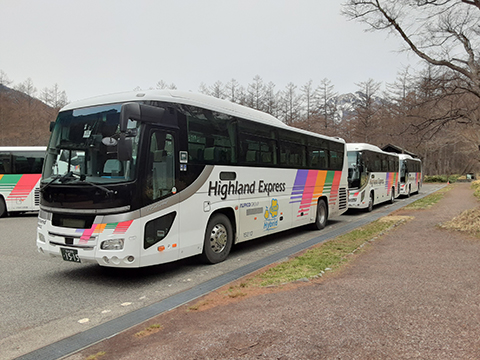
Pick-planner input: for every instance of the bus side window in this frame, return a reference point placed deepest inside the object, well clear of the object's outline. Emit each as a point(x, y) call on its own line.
point(161, 166)
point(5, 164)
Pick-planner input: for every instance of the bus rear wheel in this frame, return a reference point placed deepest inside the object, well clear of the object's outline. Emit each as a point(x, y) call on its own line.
point(370, 203)
point(392, 196)
point(3, 208)
point(218, 239)
point(322, 215)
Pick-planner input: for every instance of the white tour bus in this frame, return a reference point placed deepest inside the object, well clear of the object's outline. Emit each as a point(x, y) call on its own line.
point(20, 172)
point(138, 179)
point(372, 176)
point(410, 175)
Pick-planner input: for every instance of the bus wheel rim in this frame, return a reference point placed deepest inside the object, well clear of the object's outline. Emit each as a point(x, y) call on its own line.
point(218, 238)
point(321, 214)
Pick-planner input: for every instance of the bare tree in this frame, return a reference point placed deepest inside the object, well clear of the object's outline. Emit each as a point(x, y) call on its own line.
point(4, 80)
point(203, 89)
point(54, 97)
point(365, 120)
point(308, 99)
point(256, 94)
point(326, 102)
point(162, 85)
point(27, 88)
point(233, 91)
point(443, 33)
point(291, 105)
point(218, 90)
point(271, 101)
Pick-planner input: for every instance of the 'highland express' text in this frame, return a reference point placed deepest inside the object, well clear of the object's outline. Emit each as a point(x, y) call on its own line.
point(224, 190)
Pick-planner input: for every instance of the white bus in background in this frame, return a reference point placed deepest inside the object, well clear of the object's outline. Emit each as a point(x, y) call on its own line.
point(372, 176)
point(139, 179)
point(20, 172)
point(410, 175)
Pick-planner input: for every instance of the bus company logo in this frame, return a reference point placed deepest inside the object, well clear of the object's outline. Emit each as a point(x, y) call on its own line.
point(378, 182)
point(271, 216)
point(231, 188)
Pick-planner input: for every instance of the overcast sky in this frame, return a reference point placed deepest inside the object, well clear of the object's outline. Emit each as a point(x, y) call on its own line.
point(94, 47)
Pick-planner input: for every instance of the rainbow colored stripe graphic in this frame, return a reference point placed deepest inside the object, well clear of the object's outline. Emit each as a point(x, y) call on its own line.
point(118, 228)
point(309, 185)
point(17, 187)
point(391, 180)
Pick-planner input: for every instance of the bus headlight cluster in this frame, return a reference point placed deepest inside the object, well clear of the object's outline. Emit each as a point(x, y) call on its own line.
point(112, 244)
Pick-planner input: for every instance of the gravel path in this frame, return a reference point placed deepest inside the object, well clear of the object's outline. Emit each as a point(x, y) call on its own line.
point(414, 294)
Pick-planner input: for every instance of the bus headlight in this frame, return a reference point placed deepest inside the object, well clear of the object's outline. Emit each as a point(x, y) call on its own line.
point(41, 237)
point(112, 244)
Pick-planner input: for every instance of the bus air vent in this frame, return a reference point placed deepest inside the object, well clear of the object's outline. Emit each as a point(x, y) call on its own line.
point(342, 198)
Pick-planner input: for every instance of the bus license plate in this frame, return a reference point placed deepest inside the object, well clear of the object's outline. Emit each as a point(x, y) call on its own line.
point(70, 255)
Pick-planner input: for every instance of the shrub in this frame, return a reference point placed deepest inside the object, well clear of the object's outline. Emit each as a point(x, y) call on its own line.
point(440, 178)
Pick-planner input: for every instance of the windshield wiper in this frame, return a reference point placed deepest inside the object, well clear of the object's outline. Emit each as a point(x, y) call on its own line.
point(62, 178)
point(81, 178)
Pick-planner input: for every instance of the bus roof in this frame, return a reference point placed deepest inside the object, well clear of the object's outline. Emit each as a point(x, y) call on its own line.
point(365, 146)
point(406, 156)
point(194, 99)
point(23, 148)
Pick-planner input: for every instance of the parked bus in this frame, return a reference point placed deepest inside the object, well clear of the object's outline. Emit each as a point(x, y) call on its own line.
point(372, 176)
point(410, 175)
point(138, 179)
point(20, 172)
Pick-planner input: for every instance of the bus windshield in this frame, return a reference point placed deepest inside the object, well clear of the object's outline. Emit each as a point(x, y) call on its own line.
point(353, 169)
point(403, 171)
point(83, 146)
point(357, 176)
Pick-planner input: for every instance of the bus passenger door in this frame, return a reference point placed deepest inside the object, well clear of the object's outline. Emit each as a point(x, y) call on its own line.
point(161, 240)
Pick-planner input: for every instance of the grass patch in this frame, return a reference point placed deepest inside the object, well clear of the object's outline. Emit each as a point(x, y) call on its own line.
point(428, 201)
point(327, 256)
point(96, 356)
point(476, 188)
point(198, 305)
point(152, 329)
point(468, 222)
point(235, 291)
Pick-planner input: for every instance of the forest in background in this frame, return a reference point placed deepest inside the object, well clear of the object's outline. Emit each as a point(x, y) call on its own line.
point(396, 116)
point(433, 112)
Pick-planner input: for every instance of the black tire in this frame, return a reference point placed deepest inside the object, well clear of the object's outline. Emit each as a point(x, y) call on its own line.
point(322, 215)
point(418, 189)
point(392, 196)
point(370, 203)
point(3, 208)
point(218, 239)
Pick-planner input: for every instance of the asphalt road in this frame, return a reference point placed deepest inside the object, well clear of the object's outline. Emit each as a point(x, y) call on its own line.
point(44, 300)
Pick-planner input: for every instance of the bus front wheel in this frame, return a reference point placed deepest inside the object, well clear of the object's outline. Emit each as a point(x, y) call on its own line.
point(322, 215)
point(218, 239)
point(3, 208)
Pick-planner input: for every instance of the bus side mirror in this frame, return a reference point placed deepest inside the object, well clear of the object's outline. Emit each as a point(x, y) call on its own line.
point(139, 112)
point(52, 125)
point(124, 148)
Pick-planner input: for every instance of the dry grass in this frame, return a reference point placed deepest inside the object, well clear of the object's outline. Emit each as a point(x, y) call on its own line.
point(468, 221)
point(152, 329)
point(96, 356)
